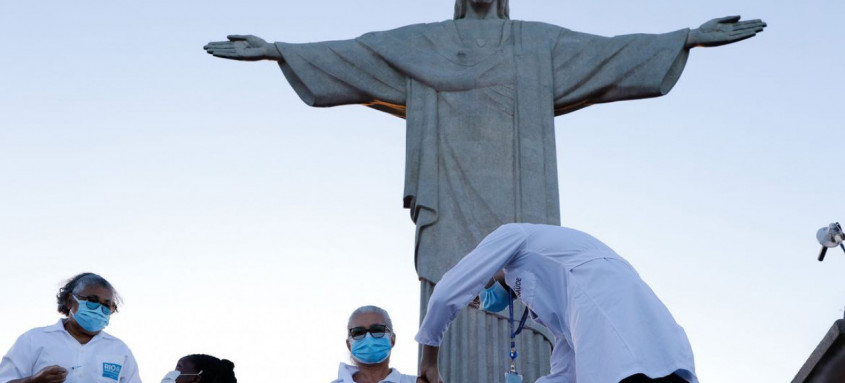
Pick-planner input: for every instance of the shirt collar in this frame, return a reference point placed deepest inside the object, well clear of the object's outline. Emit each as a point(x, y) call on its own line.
point(393, 377)
point(345, 372)
point(60, 327)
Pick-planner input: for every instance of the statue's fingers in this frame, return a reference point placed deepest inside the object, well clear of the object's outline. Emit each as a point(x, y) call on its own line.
point(729, 19)
point(226, 56)
point(755, 21)
point(754, 24)
point(742, 37)
point(742, 33)
point(237, 37)
point(746, 30)
point(217, 46)
point(221, 44)
point(225, 51)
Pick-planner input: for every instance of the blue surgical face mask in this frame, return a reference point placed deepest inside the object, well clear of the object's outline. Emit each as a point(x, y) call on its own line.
point(172, 375)
point(92, 320)
point(371, 350)
point(495, 298)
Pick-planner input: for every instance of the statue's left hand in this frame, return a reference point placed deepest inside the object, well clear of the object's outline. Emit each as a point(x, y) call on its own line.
point(243, 47)
point(724, 30)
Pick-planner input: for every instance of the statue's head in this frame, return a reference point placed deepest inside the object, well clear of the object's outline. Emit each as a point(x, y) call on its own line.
point(461, 7)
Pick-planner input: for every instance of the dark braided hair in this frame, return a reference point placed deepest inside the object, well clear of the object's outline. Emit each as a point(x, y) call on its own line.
point(214, 370)
point(76, 284)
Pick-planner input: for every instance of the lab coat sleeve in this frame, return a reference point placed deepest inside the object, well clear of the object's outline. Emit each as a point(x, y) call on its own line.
point(18, 362)
point(464, 281)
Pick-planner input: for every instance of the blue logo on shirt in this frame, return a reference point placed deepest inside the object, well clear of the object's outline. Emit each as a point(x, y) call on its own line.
point(111, 370)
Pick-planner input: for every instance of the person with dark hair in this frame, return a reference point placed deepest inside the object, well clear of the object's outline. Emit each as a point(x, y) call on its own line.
point(202, 368)
point(76, 349)
point(370, 339)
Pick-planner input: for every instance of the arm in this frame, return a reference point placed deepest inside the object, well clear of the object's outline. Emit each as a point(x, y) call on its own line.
point(590, 69)
point(459, 286)
point(326, 73)
point(722, 31)
point(429, 372)
point(49, 374)
point(17, 364)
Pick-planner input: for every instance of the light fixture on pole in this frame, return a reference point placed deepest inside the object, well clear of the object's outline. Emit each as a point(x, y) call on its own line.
point(830, 236)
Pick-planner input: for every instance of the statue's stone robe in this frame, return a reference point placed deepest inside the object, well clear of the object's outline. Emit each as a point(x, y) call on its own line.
point(480, 112)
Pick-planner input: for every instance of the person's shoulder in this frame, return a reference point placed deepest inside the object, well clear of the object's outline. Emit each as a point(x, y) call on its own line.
point(408, 378)
point(398, 377)
point(427, 26)
point(39, 331)
point(412, 29)
point(344, 373)
point(539, 26)
point(39, 335)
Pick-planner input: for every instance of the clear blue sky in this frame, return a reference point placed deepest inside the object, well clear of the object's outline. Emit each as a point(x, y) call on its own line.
point(237, 221)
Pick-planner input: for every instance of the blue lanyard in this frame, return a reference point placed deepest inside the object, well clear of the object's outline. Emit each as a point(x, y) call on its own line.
point(513, 354)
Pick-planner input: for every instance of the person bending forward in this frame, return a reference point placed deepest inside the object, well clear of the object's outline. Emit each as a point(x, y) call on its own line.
point(608, 325)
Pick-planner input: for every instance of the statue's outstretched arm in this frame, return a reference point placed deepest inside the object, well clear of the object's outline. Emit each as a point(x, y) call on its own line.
point(244, 48)
point(723, 30)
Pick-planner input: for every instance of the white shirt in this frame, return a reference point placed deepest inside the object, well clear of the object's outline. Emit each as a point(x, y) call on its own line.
point(606, 321)
point(345, 373)
point(104, 359)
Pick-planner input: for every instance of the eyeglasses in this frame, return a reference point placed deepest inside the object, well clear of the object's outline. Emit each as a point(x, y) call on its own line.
point(93, 302)
point(376, 330)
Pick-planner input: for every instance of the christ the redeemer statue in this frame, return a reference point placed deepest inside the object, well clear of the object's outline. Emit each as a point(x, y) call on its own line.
point(479, 94)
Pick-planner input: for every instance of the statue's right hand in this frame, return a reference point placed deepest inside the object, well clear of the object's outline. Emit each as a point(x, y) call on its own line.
point(243, 47)
point(50, 374)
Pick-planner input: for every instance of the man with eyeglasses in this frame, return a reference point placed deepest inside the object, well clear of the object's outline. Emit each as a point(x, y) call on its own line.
point(370, 339)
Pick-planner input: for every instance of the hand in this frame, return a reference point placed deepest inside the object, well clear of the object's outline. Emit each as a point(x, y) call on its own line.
point(49, 374)
point(244, 48)
point(724, 30)
point(429, 373)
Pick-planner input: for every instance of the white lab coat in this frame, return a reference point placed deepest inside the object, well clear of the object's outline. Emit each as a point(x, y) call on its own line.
point(607, 322)
point(345, 373)
point(104, 359)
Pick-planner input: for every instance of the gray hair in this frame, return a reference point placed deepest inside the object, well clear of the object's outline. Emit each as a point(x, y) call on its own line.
point(373, 309)
point(78, 283)
point(503, 9)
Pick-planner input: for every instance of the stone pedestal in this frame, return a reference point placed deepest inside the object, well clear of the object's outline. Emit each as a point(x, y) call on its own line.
point(827, 362)
point(475, 348)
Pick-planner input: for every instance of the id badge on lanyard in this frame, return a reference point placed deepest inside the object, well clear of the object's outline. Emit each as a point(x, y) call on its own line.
point(511, 376)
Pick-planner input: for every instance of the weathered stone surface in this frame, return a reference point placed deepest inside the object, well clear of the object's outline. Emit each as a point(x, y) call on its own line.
point(827, 362)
